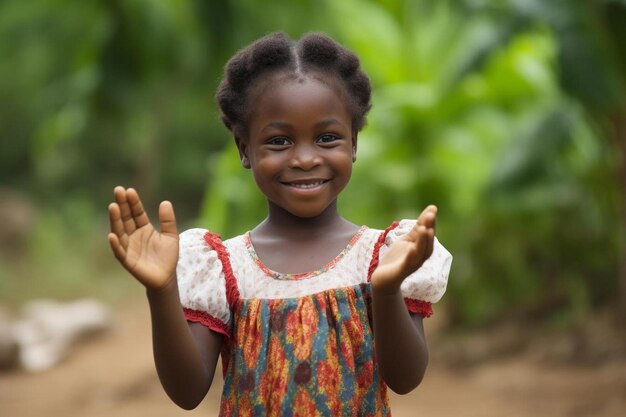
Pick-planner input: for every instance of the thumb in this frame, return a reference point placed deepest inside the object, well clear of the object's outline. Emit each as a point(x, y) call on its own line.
point(167, 218)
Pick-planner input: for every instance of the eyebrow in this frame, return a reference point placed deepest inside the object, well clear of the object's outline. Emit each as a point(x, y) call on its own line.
point(321, 123)
point(327, 122)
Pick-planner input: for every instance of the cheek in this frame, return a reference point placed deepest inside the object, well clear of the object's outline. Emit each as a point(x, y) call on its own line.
point(265, 169)
point(344, 163)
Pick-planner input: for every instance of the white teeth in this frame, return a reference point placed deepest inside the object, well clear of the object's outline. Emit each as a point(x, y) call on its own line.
point(307, 186)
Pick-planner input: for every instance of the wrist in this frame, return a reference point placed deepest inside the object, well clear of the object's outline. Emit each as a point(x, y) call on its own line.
point(169, 288)
point(384, 288)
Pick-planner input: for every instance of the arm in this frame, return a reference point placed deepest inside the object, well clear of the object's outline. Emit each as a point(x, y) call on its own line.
point(399, 338)
point(185, 354)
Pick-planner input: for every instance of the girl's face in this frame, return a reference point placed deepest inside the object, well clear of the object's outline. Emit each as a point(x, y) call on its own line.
point(300, 145)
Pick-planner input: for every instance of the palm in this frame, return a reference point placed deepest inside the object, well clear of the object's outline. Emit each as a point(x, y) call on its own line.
point(148, 255)
point(151, 256)
point(407, 254)
point(399, 260)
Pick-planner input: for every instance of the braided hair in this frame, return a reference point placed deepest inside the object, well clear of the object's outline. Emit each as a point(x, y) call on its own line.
point(315, 54)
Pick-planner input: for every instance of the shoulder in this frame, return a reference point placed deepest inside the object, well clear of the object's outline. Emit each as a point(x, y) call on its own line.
point(196, 258)
point(379, 239)
point(400, 228)
point(203, 259)
point(201, 279)
point(199, 238)
point(191, 237)
point(201, 250)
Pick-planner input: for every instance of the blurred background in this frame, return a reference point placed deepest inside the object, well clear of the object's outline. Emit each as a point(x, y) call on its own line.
point(510, 115)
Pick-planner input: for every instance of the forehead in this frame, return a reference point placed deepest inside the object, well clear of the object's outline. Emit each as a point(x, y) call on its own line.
point(299, 101)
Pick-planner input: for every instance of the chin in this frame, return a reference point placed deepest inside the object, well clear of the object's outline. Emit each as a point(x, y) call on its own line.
point(306, 212)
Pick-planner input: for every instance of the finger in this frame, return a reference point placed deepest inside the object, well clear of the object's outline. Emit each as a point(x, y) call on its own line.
point(413, 234)
point(429, 209)
point(115, 219)
point(423, 238)
point(125, 213)
point(136, 208)
point(420, 245)
point(430, 243)
point(420, 218)
point(117, 226)
point(431, 223)
point(428, 220)
point(431, 219)
point(167, 218)
point(118, 250)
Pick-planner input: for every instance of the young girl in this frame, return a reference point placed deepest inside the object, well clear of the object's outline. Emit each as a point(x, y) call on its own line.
point(313, 315)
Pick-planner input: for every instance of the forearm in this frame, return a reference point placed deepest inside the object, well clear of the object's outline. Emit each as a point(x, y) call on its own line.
point(400, 343)
point(184, 370)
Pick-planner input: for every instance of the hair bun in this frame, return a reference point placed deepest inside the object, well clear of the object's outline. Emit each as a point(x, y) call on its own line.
point(349, 64)
point(237, 71)
point(271, 51)
point(319, 49)
point(315, 52)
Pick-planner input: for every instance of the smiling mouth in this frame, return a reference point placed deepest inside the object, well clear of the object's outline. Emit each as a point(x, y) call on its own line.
point(305, 185)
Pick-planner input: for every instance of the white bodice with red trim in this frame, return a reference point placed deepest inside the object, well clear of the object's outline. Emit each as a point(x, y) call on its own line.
point(213, 274)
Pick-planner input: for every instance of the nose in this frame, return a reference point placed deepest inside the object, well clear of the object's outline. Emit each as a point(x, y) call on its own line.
point(305, 157)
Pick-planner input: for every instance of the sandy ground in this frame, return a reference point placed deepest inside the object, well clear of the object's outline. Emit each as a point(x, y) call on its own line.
point(113, 375)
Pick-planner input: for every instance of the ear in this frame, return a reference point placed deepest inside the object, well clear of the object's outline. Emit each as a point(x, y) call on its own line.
point(354, 143)
point(242, 147)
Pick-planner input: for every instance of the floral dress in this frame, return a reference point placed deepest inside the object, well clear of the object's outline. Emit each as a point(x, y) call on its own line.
point(298, 344)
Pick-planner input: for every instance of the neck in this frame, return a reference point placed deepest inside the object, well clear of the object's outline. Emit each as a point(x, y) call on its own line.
point(281, 222)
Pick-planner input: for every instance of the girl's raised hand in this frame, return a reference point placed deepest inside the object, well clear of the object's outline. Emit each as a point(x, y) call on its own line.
point(148, 255)
point(407, 254)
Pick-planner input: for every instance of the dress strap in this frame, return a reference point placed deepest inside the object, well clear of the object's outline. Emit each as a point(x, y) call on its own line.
point(232, 291)
point(376, 252)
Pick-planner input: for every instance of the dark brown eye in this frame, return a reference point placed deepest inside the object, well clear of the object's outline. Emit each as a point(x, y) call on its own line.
point(327, 138)
point(278, 141)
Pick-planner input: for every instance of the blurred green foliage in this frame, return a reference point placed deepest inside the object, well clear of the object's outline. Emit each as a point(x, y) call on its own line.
point(506, 114)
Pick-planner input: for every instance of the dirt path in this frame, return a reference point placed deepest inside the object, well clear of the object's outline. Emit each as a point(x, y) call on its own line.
point(114, 376)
